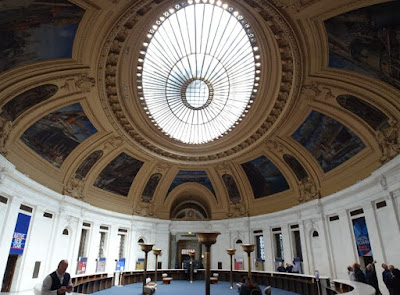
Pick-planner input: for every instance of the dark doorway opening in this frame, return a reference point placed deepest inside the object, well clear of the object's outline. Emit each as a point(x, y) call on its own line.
point(9, 273)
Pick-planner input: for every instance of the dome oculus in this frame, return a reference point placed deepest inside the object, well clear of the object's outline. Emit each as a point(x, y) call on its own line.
point(197, 70)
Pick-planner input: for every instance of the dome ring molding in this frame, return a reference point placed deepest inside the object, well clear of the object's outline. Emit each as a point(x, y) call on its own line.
point(113, 94)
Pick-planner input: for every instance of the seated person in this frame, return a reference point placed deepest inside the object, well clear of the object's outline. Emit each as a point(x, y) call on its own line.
point(248, 287)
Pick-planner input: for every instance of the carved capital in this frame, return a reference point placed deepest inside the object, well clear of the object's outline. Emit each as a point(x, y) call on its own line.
point(74, 188)
point(308, 190)
point(145, 209)
point(389, 141)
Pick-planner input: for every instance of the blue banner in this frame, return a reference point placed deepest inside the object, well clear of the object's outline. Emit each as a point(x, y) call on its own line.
point(121, 264)
point(20, 234)
point(361, 236)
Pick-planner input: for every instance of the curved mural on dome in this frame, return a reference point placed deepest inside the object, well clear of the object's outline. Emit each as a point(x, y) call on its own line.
point(328, 141)
point(34, 30)
point(264, 177)
point(57, 134)
point(199, 177)
point(367, 41)
point(232, 189)
point(87, 164)
point(367, 112)
point(27, 100)
point(118, 175)
point(150, 188)
point(296, 167)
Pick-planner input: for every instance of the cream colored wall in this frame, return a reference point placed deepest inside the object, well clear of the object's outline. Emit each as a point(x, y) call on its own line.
point(330, 253)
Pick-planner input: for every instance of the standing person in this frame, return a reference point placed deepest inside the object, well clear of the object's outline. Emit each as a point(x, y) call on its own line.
point(350, 272)
point(387, 276)
point(58, 282)
point(358, 273)
point(395, 282)
point(295, 267)
point(370, 275)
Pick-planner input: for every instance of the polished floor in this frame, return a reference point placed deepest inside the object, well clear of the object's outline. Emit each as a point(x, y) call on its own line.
point(184, 287)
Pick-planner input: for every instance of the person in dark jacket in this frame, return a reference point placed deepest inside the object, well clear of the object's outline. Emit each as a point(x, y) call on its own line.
point(394, 282)
point(370, 275)
point(359, 275)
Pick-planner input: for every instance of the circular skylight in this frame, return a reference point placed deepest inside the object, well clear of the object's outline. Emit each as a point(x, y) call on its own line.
point(197, 71)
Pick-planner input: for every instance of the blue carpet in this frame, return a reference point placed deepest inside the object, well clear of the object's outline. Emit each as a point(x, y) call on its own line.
point(184, 287)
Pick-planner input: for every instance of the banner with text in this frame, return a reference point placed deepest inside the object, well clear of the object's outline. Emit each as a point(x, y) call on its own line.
point(20, 234)
point(361, 236)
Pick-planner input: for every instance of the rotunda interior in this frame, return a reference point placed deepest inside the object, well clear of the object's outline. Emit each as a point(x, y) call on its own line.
point(199, 110)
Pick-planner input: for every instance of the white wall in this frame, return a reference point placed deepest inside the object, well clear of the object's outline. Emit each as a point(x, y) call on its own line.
point(330, 253)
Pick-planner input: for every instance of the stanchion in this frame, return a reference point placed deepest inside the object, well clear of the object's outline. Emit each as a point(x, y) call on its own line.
point(191, 254)
point(207, 239)
point(156, 252)
point(231, 252)
point(146, 248)
point(248, 248)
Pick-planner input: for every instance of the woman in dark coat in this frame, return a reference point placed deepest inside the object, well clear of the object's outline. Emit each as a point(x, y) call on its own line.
point(370, 275)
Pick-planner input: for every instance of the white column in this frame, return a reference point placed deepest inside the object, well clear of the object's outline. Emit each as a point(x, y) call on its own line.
point(112, 249)
point(287, 249)
point(304, 252)
point(93, 248)
point(268, 249)
point(76, 239)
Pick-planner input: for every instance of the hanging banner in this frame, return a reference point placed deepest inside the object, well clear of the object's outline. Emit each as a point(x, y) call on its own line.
point(361, 236)
point(20, 234)
point(81, 265)
point(120, 264)
point(101, 264)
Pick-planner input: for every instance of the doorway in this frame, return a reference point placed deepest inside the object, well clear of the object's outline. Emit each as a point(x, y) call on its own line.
point(9, 273)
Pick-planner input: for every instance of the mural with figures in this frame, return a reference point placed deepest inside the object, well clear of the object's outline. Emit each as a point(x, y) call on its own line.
point(328, 141)
point(87, 164)
point(184, 176)
point(118, 175)
point(367, 40)
point(56, 135)
point(33, 30)
point(27, 100)
point(264, 177)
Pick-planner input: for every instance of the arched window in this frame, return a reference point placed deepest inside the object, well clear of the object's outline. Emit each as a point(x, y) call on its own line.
point(315, 234)
point(65, 232)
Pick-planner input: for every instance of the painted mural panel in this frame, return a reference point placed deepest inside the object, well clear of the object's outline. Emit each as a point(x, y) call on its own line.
point(367, 40)
point(87, 164)
point(264, 177)
point(33, 30)
point(370, 114)
point(119, 174)
point(184, 176)
point(231, 187)
point(27, 100)
point(296, 167)
point(152, 183)
point(56, 135)
point(328, 141)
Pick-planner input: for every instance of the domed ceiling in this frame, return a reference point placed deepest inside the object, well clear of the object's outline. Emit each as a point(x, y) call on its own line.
point(199, 109)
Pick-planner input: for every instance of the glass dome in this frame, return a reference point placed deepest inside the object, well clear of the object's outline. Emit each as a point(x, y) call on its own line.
point(198, 71)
